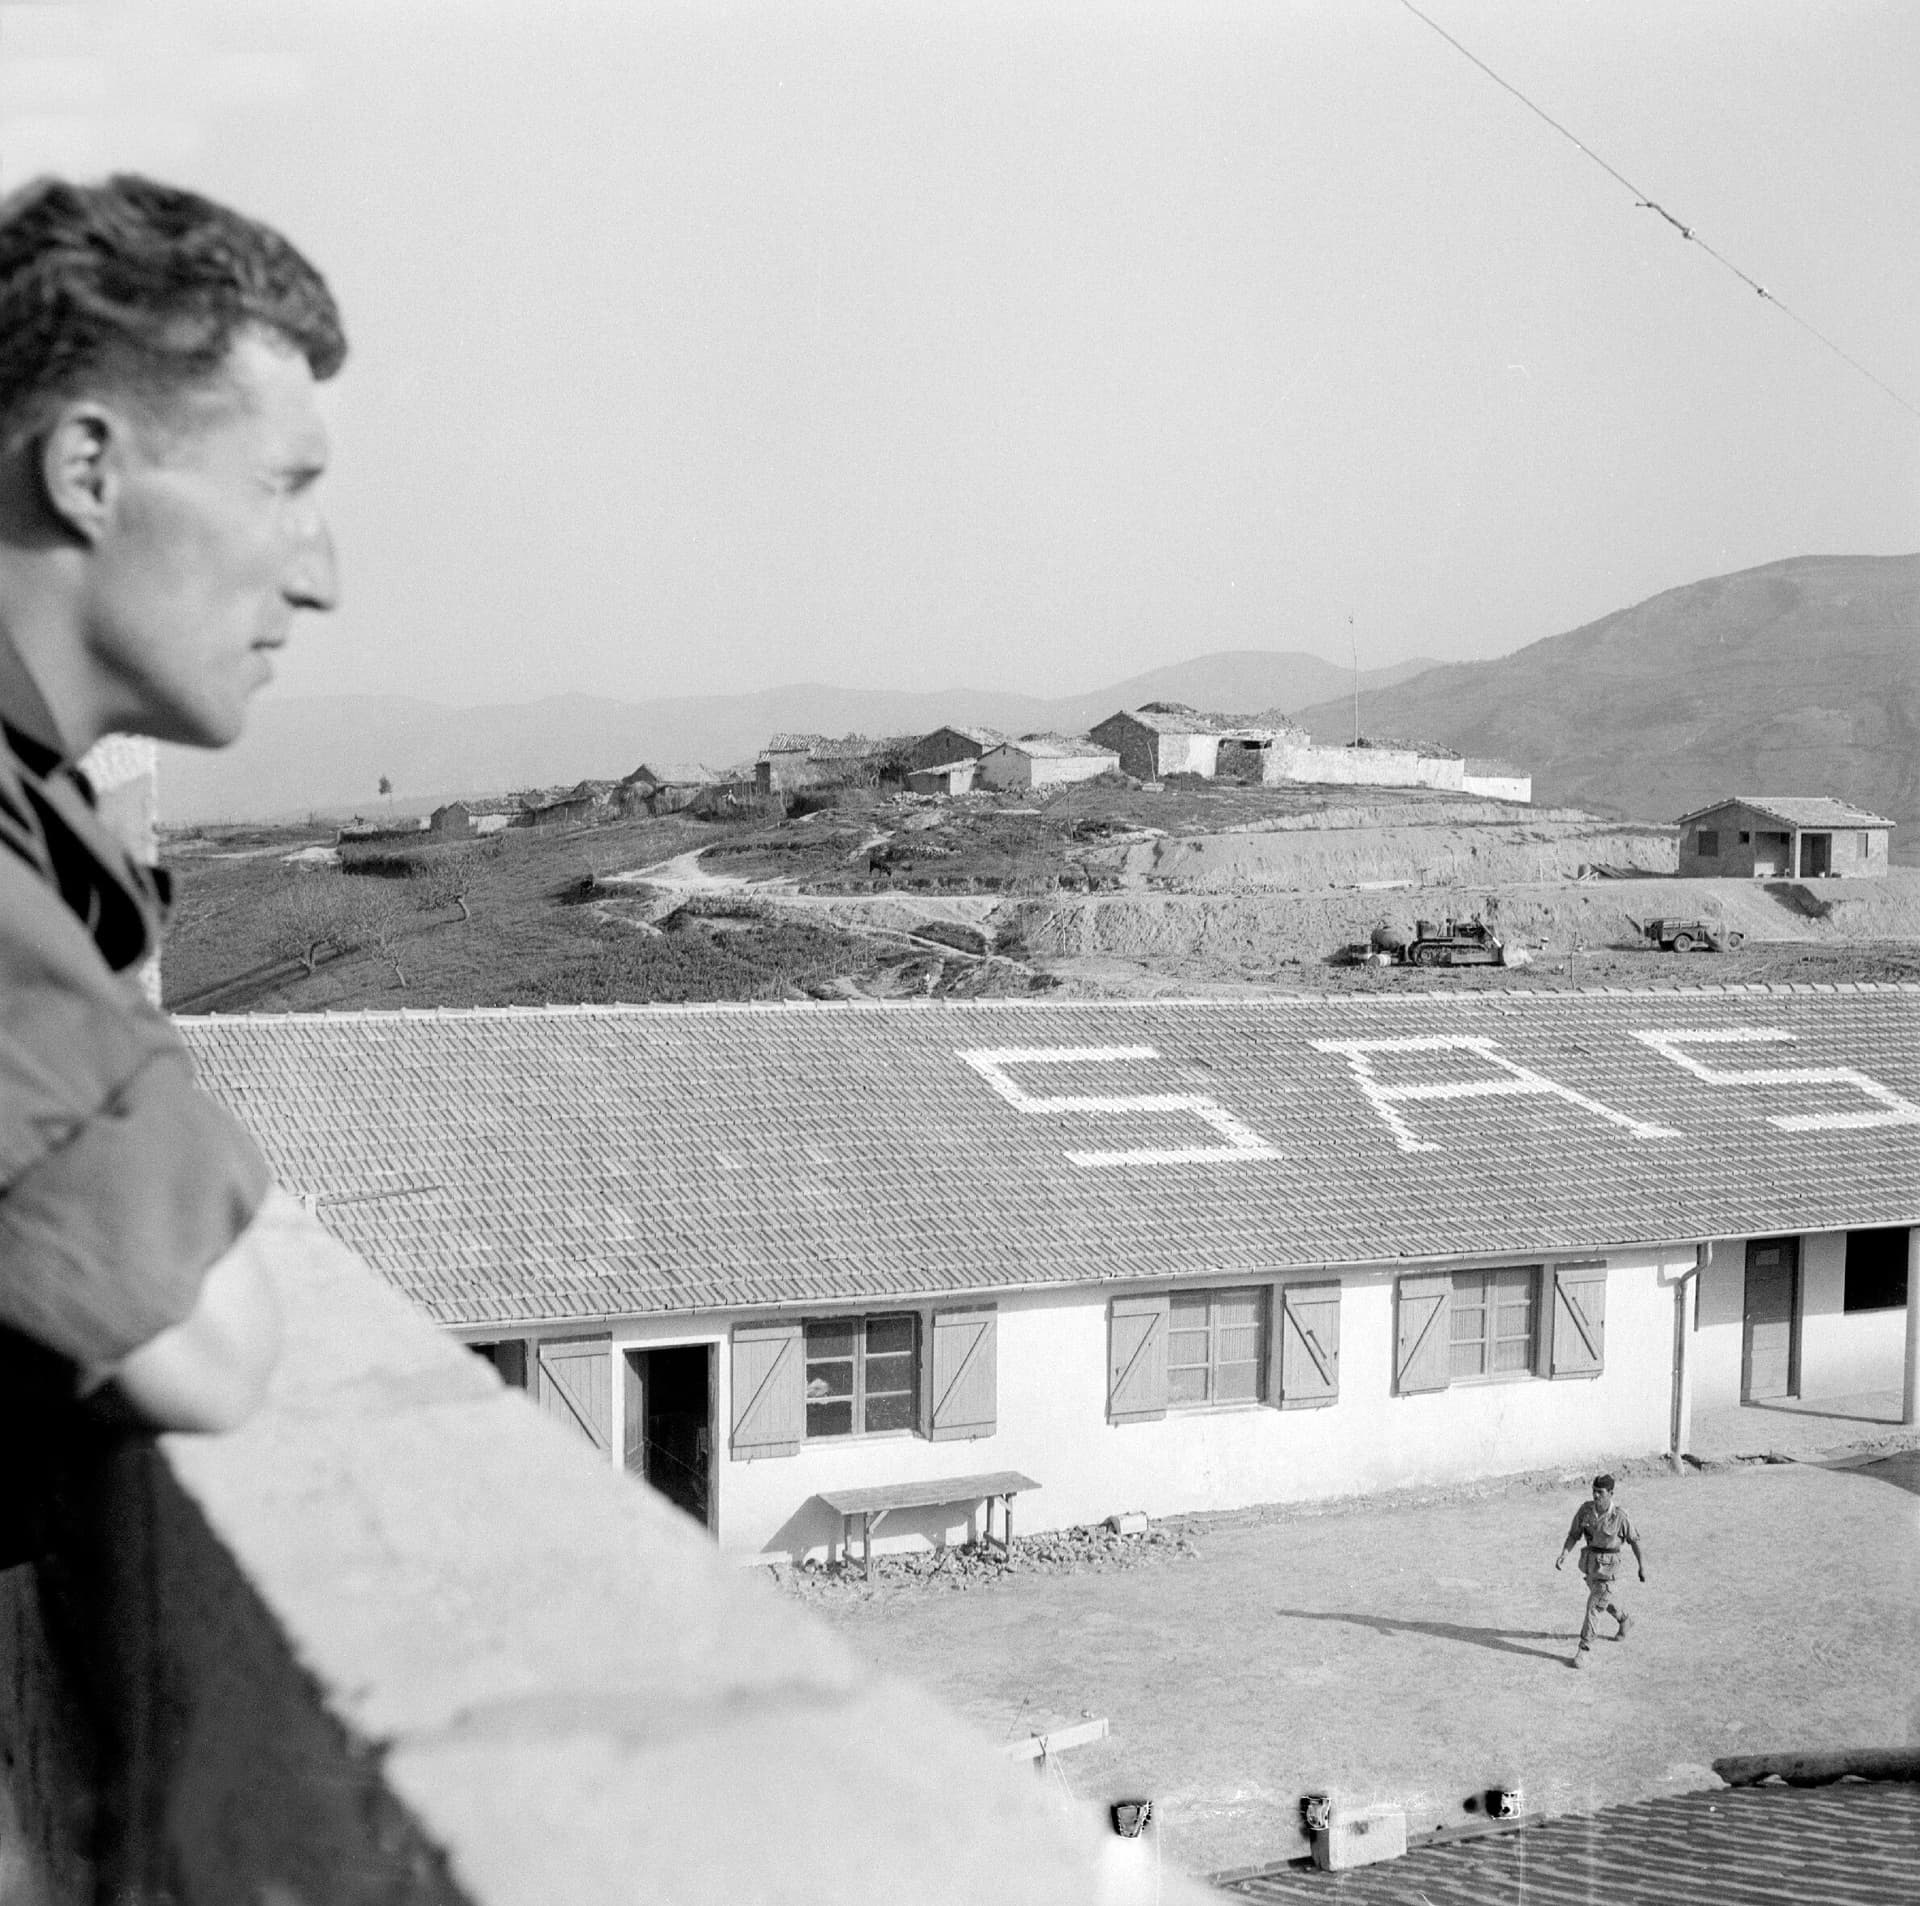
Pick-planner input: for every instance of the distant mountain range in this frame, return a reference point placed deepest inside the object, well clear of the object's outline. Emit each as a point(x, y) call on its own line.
point(328, 753)
point(1799, 677)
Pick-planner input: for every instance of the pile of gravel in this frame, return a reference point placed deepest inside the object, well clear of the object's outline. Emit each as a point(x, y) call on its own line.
point(1083, 1551)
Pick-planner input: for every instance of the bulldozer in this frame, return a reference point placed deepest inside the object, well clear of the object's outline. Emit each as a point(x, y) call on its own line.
point(1442, 943)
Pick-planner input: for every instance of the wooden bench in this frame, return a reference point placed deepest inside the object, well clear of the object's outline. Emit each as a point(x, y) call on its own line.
point(874, 1505)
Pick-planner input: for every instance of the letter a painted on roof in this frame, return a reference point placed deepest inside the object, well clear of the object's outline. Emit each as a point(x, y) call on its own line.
point(1238, 1141)
point(1894, 1109)
point(1520, 1082)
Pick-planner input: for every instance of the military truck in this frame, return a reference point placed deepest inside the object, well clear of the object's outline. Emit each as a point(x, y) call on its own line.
point(1682, 936)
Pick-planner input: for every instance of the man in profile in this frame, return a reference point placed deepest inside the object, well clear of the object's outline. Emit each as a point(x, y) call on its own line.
point(160, 448)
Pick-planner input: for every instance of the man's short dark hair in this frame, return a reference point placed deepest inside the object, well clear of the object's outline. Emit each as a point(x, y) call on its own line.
point(142, 287)
point(1604, 1482)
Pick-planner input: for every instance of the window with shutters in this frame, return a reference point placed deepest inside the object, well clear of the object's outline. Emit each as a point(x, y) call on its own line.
point(1493, 1324)
point(1216, 1346)
point(862, 1375)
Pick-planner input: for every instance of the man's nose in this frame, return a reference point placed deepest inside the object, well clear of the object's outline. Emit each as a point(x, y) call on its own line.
point(313, 582)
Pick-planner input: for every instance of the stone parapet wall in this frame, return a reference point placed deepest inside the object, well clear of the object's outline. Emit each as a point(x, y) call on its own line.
point(402, 1639)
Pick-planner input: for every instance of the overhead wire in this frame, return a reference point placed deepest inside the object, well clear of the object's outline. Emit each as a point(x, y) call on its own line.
point(1647, 202)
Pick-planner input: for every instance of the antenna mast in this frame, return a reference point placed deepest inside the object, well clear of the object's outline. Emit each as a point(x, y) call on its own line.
point(1353, 642)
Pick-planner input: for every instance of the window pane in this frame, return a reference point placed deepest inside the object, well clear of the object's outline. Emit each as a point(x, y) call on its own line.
point(1237, 1310)
point(830, 1419)
point(1237, 1383)
point(1187, 1349)
point(1187, 1312)
point(894, 1411)
point(885, 1374)
point(1513, 1353)
point(1469, 1360)
point(830, 1379)
point(1239, 1345)
point(1188, 1385)
point(886, 1335)
point(833, 1339)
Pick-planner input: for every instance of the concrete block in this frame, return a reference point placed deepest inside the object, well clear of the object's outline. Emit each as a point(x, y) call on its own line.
point(1361, 1836)
point(1128, 1522)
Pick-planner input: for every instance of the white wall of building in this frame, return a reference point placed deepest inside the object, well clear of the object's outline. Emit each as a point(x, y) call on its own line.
point(1363, 767)
point(1499, 787)
point(1187, 754)
point(1051, 1423)
point(1840, 1354)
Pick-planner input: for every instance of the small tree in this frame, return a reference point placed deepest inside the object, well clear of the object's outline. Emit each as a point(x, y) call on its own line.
point(380, 923)
point(445, 882)
point(312, 911)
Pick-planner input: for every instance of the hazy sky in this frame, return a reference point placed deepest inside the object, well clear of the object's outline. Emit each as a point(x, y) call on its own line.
point(700, 348)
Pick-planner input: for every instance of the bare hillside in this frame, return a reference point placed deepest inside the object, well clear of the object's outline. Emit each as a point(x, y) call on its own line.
point(1798, 677)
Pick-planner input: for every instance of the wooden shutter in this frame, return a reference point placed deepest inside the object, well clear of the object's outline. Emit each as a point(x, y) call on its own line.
point(769, 1390)
point(1579, 1320)
point(576, 1387)
point(1423, 1352)
point(1137, 1361)
point(1309, 1360)
point(962, 1361)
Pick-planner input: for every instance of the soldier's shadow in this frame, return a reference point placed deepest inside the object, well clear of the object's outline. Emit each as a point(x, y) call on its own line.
point(1506, 1641)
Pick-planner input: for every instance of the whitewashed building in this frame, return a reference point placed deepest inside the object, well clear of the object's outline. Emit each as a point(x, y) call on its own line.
point(1159, 1256)
point(1044, 761)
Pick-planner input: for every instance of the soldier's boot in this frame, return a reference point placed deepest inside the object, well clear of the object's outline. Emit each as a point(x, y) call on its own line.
point(1582, 1656)
point(1626, 1622)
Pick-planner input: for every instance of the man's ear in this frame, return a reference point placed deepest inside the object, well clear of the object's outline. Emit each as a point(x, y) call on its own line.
point(81, 456)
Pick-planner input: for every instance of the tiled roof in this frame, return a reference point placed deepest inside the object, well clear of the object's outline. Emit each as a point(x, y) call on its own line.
point(501, 1165)
point(664, 774)
point(1797, 810)
point(981, 737)
point(1057, 747)
point(833, 747)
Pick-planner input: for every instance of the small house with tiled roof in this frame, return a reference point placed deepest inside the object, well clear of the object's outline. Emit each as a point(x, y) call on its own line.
point(792, 761)
point(1146, 1255)
point(1044, 761)
point(945, 746)
point(1161, 738)
point(1783, 837)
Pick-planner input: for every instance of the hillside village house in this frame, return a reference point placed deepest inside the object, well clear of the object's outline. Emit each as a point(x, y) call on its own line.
point(486, 814)
point(945, 777)
point(947, 745)
point(1140, 1256)
point(1044, 761)
point(789, 762)
point(1783, 837)
point(1162, 738)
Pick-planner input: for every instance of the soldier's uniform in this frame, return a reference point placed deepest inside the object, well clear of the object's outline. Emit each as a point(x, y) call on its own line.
point(1605, 1536)
point(121, 1182)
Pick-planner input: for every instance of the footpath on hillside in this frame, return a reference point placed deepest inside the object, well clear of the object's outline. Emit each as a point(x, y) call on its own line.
point(1420, 1653)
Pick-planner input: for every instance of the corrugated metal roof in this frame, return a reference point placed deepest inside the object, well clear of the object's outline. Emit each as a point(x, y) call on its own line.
point(500, 1165)
point(1797, 810)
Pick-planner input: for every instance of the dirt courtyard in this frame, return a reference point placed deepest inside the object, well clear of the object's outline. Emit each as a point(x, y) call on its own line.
point(1422, 1654)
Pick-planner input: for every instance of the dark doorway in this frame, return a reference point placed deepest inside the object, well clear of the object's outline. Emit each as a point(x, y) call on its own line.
point(1816, 855)
point(1770, 1341)
point(669, 1439)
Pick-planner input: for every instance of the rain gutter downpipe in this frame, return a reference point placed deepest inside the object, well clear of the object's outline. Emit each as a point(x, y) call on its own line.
point(1683, 1288)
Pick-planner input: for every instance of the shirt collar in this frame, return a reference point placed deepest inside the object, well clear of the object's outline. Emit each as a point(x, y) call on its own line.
point(24, 709)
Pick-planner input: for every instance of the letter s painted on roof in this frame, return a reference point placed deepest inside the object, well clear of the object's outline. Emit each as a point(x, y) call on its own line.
point(1896, 1110)
point(1239, 1142)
